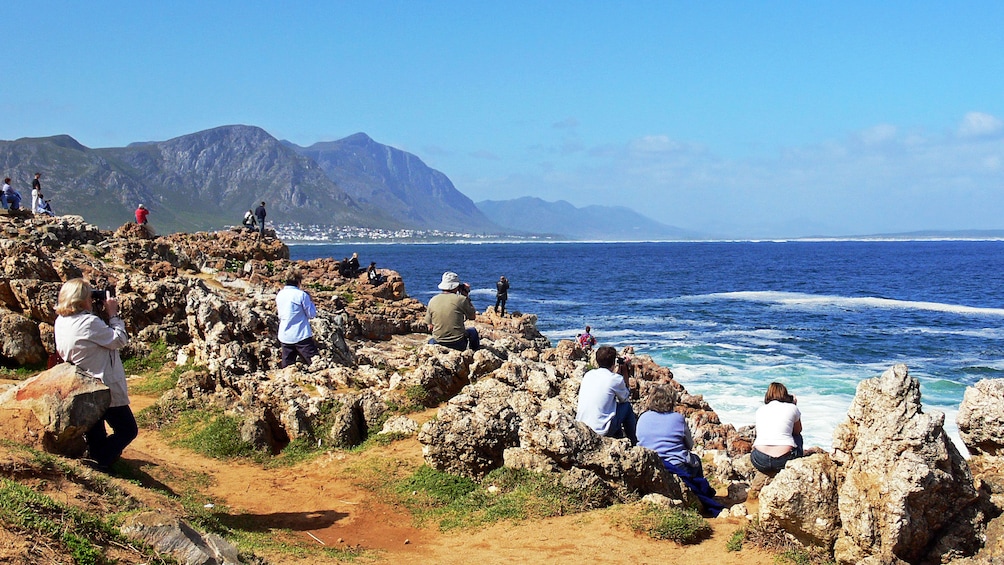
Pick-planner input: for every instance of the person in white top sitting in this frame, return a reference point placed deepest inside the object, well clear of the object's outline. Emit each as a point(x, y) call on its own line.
point(604, 397)
point(778, 431)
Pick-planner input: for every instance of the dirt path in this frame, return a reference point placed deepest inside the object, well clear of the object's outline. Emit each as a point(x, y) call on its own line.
point(319, 499)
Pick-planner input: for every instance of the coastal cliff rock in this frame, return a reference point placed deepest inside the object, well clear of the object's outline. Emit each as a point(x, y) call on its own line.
point(902, 483)
point(981, 418)
point(53, 409)
point(802, 500)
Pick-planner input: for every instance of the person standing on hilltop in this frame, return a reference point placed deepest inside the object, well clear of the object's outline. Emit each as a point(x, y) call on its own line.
point(259, 213)
point(295, 311)
point(141, 214)
point(501, 295)
point(5, 192)
point(36, 193)
point(447, 312)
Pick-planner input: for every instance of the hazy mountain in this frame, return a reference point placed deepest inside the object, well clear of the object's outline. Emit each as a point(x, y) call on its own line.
point(396, 182)
point(208, 179)
point(529, 214)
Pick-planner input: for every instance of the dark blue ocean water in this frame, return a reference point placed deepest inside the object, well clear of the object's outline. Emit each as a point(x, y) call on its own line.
point(729, 318)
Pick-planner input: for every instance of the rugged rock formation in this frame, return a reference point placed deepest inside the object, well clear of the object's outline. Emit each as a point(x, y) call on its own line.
point(981, 418)
point(894, 490)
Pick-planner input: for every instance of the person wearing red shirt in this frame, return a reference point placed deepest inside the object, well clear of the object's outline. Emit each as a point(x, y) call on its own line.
point(141, 214)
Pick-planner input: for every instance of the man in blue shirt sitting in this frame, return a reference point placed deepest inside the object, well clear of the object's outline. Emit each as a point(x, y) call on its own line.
point(295, 311)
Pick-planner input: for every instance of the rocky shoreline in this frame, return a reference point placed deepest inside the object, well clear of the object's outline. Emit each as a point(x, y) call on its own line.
point(894, 489)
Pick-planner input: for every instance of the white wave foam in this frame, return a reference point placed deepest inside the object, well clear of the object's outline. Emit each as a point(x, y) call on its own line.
point(799, 300)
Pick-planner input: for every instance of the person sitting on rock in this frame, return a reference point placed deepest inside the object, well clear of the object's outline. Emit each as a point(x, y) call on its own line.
point(666, 432)
point(46, 208)
point(447, 312)
point(87, 341)
point(604, 397)
point(295, 311)
point(141, 215)
point(375, 278)
point(586, 340)
point(353, 267)
point(249, 221)
point(778, 431)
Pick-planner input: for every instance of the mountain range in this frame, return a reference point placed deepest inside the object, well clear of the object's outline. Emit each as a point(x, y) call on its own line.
point(208, 179)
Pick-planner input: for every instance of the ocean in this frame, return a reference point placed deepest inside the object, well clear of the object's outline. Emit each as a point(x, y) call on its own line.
point(730, 317)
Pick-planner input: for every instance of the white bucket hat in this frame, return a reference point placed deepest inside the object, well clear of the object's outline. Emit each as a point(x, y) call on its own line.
point(450, 281)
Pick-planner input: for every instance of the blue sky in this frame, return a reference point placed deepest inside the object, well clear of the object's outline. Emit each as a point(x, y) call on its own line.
point(738, 118)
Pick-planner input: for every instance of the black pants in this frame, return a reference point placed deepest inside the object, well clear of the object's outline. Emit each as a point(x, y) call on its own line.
point(306, 349)
point(106, 449)
point(500, 300)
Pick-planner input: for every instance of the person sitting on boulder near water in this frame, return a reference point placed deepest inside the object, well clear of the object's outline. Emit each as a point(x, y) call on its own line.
point(87, 341)
point(447, 312)
point(666, 432)
point(249, 221)
point(604, 397)
point(778, 431)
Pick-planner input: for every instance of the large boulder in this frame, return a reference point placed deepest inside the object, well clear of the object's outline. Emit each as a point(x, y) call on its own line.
point(53, 409)
point(22, 341)
point(802, 499)
point(903, 481)
point(981, 418)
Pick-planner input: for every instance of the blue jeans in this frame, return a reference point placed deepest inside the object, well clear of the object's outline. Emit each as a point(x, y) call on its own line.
point(624, 423)
point(771, 465)
point(471, 338)
point(3, 200)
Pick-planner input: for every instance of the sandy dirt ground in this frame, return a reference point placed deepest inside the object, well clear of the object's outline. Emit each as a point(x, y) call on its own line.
point(320, 503)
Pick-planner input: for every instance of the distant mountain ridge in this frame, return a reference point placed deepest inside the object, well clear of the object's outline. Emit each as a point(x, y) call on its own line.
point(206, 180)
point(396, 182)
point(611, 223)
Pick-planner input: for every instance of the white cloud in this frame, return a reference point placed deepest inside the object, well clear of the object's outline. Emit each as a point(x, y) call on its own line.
point(978, 124)
point(878, 134)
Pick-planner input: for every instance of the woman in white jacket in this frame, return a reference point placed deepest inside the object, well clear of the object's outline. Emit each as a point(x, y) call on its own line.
point(87, 341)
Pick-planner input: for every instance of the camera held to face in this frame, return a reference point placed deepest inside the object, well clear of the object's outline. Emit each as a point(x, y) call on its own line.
point(98, 297)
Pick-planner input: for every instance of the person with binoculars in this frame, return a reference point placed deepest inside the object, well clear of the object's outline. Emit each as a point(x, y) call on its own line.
point(447, 313)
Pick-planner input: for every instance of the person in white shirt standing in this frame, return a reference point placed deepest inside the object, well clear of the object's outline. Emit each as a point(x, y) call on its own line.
point(603, 397)
point(295, 312)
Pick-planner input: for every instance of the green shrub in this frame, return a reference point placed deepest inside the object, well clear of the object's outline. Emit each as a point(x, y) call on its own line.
point(679, 525)
point(505, 494)
point(735, 542)
point(159, 356)
point(210, 433)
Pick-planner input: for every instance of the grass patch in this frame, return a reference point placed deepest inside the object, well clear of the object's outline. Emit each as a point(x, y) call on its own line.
point(155, 384)
point(211, 433)
point(81, 534)
point(735, 542)
point(680, 525)
point(785, 546)
point(158, 356)
point(505, 494)
point(21, 373)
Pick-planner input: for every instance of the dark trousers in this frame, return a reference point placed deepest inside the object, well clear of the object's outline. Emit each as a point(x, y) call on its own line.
point(624, 423)
point(106, 449)
point(500, 300)
point(306, 349)
point(471, 339)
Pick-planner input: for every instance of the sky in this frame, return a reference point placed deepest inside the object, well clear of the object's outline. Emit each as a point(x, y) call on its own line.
point(745, 119)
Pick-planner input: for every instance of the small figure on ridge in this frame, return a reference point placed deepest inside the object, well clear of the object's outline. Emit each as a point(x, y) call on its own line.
point(259, 214)
point(141, 215)
point(501, 295)
point(249, 221)
point(586, 340)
